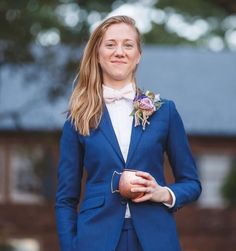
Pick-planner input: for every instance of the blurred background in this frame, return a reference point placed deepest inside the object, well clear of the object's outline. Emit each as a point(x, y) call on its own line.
point(189, 56)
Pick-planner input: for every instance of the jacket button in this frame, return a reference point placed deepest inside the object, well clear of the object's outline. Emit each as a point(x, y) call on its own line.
point(123, 202)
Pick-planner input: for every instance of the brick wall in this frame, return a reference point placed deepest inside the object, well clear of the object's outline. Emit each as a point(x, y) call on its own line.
point(207, 229)
point(24, 221)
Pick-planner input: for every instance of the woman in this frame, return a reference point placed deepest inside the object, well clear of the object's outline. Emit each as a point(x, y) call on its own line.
point(101, 137)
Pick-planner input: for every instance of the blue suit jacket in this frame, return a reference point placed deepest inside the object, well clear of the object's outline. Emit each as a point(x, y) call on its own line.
point(97, 225)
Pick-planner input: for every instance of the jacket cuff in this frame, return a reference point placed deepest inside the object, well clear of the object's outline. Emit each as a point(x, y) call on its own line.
point(173, 199)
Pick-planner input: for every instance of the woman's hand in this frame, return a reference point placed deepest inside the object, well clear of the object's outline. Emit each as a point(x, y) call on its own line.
point(152, 190)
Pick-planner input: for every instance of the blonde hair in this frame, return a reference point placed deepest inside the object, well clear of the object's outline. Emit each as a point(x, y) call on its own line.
point(86, 102)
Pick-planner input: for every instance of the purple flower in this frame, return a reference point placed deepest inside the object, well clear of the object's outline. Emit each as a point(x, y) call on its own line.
point(146, 104)
point(139, 97)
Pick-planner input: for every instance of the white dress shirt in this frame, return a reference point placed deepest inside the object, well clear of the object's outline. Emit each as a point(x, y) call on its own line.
point(119, 112)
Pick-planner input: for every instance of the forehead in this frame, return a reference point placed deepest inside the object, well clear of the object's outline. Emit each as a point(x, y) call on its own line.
point(120, 32)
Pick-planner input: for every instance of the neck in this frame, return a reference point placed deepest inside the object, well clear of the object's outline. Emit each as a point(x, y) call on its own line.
point(118, 84)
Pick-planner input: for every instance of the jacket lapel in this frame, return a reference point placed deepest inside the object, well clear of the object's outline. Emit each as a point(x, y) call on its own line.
point(108, 131)
point(135, 138)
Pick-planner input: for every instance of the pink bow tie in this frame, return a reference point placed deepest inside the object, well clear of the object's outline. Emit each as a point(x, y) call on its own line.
point(110, 95)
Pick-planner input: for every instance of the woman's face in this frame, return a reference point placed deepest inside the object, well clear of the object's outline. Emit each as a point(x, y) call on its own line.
point(118, 54)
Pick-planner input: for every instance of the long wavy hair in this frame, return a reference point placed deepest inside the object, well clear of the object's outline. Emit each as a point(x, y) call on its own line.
point(86, 102)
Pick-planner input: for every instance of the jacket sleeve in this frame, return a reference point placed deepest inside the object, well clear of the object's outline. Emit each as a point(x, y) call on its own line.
point(187, 186)
point(70, 171)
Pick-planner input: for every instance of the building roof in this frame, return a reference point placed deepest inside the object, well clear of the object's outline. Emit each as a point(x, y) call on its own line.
point(201, 83)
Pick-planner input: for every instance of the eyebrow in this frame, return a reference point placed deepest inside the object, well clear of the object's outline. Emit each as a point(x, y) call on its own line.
point(114, 40)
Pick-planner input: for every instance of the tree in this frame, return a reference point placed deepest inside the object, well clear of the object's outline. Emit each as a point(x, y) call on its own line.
point(25, 22)
point(33, 31)
point(195, 22)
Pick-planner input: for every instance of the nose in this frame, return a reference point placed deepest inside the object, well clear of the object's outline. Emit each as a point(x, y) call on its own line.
point(119, 52)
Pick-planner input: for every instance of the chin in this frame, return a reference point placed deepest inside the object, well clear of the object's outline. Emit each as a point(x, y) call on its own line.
point(122, 78)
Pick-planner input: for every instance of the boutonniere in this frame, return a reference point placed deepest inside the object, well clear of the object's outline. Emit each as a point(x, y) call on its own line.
point(145, 104)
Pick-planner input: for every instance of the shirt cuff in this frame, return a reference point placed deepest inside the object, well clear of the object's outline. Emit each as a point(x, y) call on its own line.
point(173, 198)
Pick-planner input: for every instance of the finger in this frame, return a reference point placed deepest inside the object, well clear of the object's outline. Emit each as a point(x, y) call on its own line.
point(142, 189)
point(142, 182)
point(143, 198)
point(144, 175)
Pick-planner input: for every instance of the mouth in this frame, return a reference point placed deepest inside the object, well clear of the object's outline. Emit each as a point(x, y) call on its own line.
point(118, 62)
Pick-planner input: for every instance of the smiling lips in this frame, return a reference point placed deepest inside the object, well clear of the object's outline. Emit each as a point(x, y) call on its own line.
point(118, 62)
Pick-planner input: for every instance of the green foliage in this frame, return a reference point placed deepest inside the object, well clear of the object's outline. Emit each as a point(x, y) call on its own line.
point(23, 21)
point(159, 35)
point(229, 187)
point(203, 8)
point(190, 11)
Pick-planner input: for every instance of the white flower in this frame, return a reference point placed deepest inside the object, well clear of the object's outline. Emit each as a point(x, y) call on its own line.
point(157, 98)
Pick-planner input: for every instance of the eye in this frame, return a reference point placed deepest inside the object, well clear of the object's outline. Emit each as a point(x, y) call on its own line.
point(109, 45)
point(129, 46)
